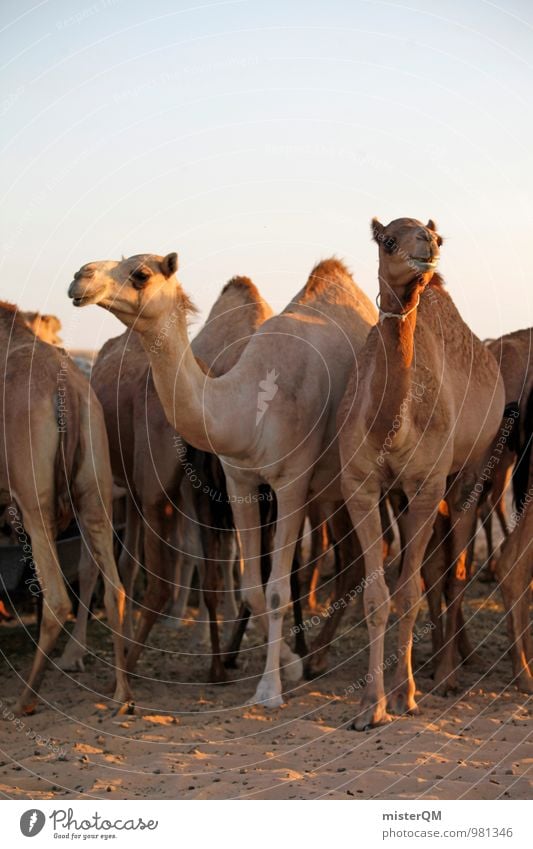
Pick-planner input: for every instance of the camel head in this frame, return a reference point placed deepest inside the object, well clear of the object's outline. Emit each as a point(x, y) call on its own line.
point(46, 327)
point(408, 252)
point(139, 290)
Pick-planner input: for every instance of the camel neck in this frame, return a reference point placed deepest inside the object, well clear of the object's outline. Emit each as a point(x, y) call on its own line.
point(391, 385)
point(184, 390)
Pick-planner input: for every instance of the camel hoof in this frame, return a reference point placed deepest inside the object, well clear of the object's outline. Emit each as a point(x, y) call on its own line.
point(370, 716)
point(174, 623)
point(314, 668)
point(217, 675)
point(445, 683)
point(487, 575)
point(267, 695)
point(293, 668)
point(400, 705)
point(125, 708)
point(473, 658)
point(71, 663)
point(25, 708)
point(524, 683)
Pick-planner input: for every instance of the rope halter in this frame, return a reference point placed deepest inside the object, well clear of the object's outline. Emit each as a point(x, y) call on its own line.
point(401, 315)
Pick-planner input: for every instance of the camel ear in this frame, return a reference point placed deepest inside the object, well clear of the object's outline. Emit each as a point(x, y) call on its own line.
point(169, 265)
point(378, 230)
point(432, 226)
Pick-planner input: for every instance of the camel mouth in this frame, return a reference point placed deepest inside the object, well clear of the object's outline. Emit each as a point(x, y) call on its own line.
point(85, 300)
point(424, 264)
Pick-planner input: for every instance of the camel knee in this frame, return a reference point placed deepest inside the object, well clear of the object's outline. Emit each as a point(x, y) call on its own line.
point(278, 596)
point(56, 612)
point(377, 606)
point(254, 598)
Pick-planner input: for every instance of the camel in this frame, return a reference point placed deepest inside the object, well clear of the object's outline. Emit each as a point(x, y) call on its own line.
point(54, 463)
point(418, 417)
point(160, 478)
point(514, 354)
point(271, 418)
point(46, 327)
point(514, 569)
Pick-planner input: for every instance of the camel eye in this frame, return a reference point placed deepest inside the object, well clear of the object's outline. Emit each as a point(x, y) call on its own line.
point(139, 278)
point(390, 245)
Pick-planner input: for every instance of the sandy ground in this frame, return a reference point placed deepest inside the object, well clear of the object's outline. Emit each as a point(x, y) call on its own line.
point(198, 741)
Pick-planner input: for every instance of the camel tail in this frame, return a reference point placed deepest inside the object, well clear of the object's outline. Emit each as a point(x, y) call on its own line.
point(67, 411)
point(522, 470)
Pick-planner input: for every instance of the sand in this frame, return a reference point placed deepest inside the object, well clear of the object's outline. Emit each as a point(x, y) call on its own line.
point(192, 740)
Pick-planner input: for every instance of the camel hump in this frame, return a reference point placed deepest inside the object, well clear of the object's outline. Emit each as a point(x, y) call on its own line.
point(244, 285)
point(331, 282)
point(326, 272)
point(240, 290)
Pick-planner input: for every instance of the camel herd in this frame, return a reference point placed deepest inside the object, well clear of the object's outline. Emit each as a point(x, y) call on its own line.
point(332, 421)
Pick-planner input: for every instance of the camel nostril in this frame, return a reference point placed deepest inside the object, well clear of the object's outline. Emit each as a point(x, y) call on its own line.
point(84, 273)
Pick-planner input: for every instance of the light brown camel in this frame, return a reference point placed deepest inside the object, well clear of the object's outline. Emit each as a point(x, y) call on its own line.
point(151, 463)
point(419, 414)
point(514, 354)
point(271, 419)
point(514, 569)
point(54, 463)
point(46, 327)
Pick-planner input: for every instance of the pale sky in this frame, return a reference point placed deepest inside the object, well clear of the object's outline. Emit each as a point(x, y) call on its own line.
point(257, 137)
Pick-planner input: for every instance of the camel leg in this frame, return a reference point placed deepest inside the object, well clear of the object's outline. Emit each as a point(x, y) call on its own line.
point(202, 630)
point(514, 575)
point(419, 521)
point(72, 658)
point(227, 561)
point(56, 605)
point(291, 513)
point(98, 537)
point(317, 660)
point(501, 513)
point(180, 592)
point(362, 501)
point(210, 592)
point(183, 572)
point(300, 645)
point(194, 543)
point(485, 511)
point(159, 564)
point(386, 524)
point(319, 548)
point(434, 574)
point(349, 569)
point(239, 629)
point(463, 526)
point(128, 564)
point(247, 518)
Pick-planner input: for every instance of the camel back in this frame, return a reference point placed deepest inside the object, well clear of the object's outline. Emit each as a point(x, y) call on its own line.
point(39, 372)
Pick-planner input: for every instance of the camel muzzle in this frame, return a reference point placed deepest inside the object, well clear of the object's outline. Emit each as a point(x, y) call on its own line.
point(81, 293)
